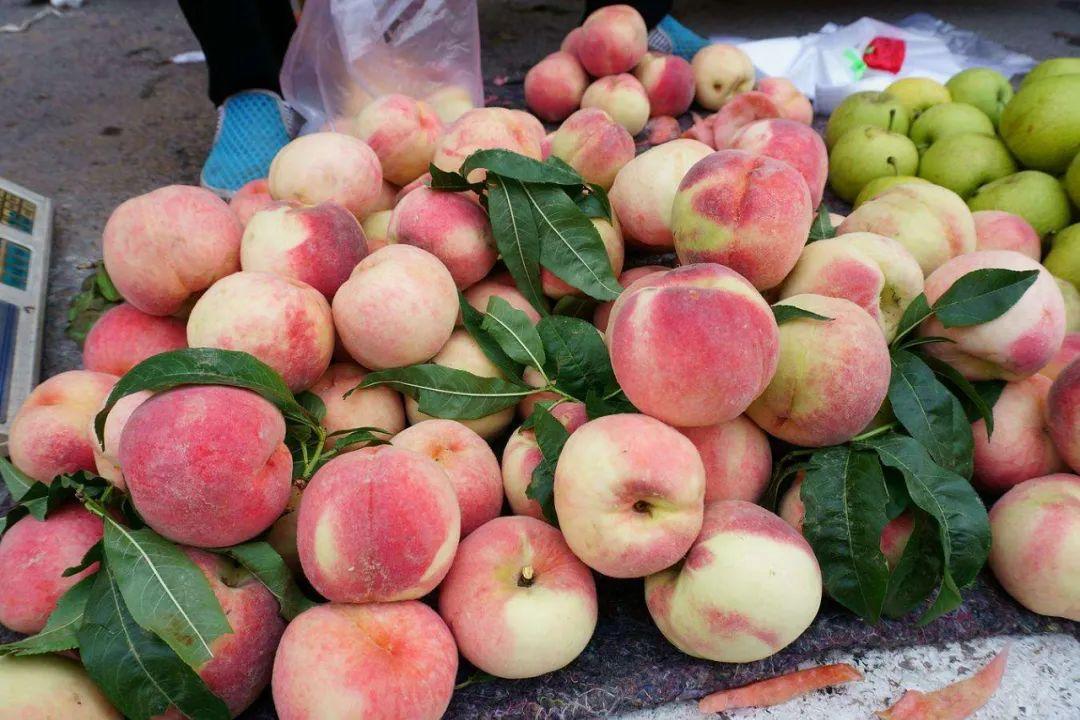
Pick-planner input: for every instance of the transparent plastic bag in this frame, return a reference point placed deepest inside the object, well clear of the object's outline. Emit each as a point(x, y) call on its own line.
point(345, 53)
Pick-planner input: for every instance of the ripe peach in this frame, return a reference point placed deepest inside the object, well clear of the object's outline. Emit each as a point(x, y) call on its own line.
point(611, 236)
point(594, 145)
point(250, 199)
point(468, 462)
point(669, 332)
point(318, 244)
point(749, 586)
point(613, 40)
point(517, 600)
point(283, 322)
point(1016, 344)
point(832, 375)
point(107, 454)
point(622, 97)
point(668, 81)
point(1020, 447)
point(793, 105)
point(48, 436)
point(33, 556)
point(376, 227)
point(402, 132)
point(479, 294)
point(50, 686)
point(662, 129)
point(603, 310)
point(162, 247)
point(425, 302)
point(554, 86)
point(702, 129)
point(738, 112)
point(206, 465)
point(720, 72)
point(933, 223)
point(875, 272)
point(571, 42)
point(328, 166)
point(282, 534)
point(124, 336)
point(378, 407)
point(1000, 230)
point(376, 525)
point(522, 455)
point(644, 189)
point(737, 459)
point(1063, 407)
point(749, 212)
point(381, 660)
point(449, 226)
point(796, 144)
point(461, 352)
point(450, 102)
point(387, 199)
point(629, 493)
point(482, 129)
point(533, 378)
point(1070, 350)
point(1035, 553)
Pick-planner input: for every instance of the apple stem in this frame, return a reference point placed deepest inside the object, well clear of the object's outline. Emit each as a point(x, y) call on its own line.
point(526, 577)
point(892, 116)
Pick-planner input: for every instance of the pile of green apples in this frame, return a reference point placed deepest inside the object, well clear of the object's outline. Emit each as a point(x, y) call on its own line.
point(998, 149)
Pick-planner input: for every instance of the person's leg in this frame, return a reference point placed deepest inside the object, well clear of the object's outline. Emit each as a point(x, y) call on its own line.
point(244, 42)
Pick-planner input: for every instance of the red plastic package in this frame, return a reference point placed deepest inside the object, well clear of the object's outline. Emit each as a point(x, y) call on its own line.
point(885, 53)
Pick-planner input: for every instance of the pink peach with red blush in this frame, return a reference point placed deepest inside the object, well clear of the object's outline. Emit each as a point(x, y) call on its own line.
point(124, 336)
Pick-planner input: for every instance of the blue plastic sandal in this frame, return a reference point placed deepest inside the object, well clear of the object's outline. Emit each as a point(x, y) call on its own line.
point(671, 36)
point(252, 126)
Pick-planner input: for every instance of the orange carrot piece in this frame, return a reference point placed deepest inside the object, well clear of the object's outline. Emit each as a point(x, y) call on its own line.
point(779, 689)
point(952, 702)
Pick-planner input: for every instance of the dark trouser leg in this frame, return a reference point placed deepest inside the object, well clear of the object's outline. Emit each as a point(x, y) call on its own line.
point(652, 10)
point(244, 42)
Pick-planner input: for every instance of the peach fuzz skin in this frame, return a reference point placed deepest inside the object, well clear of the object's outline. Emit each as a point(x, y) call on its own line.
point(467, 460)
point(284, 322)
point(50, 686)
point(629, 493)
point(740, 111)
point(592, 143)
point(737, 459)
point(33, 556)
point(831, 378)
point(403, 133)
point(721, 72)
point(517, 600)
point(668, 332)
point(124, 336)
point(201, 446)
point(162, 247)
point(48, 436)
point(107, 453)
point(318, 245)
point(645, 187)
point(449, 226)
point(793, 105)
point(1063, 406)
point(749, 212)
point(792, 142)
point(1000, 230)
point(378, 407)
point(749, 586)
point(1035, 553)
point(603, 311)
point(1021, 447)
point(668, 81)
point(554, 86)
point(1012, 346)
point(380, 660)
point(396, 287)
point(250, 199)
point(376, 525)
point(485, 128)
point(328, 166)
point(622, 97)
point(612, 40)
point(522, 455)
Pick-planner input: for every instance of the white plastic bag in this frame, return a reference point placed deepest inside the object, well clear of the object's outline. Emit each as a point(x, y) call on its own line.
point(347, 52)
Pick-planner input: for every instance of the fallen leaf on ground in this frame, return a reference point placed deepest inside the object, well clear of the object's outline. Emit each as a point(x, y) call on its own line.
point(779, 689)
point(952, 702)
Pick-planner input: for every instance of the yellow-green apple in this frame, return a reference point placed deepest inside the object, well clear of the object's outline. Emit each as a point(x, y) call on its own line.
point(917, 94)
point(1039, 124)
point(867, 152)
point(1052, 68)
point(1063, 260)
point(941, 121)
point(878, 185)
point(1033, 195)
point(984, 88)
point(867, 108)
point(963, 163)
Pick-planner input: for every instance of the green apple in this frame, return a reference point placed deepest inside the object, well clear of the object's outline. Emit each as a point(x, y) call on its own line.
point(867, 152)
point(1072, 304)
point(1063, 260)
point(1052, 68)
point(867, 108)
point(941, 121)
point(1072, 182)
point(984, 88)
point(879, 185)
point(918, 93)
point(964, 163)
point(1041, 124)
point(1033, 195)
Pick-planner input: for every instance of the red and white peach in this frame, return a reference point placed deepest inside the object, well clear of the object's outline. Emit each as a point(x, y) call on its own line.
point(124, 336)
point(328, 167)
point(250, 199)
point(793, 105)
point(603, 310)
point(738, 112)
point(622, 97)
point(479, 294)
point(1000, 230)
point(737, 459)
point(107, 453)
point(483, 129)
point(554, 86)
point(792, 142)
point(377, 407)
point(594, 145)
point(1063, 407)
point(403, 133)
point(720, 72)
point(522, 455)
point(613, 39)
point(376, 227)
point(668, 81)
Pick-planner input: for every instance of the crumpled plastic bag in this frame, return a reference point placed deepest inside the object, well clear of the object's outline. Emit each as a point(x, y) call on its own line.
point(345, 53)
point(827, 65)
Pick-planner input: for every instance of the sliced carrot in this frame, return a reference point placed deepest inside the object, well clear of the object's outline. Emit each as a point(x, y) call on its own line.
point(779, 689)
point(952, 702)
